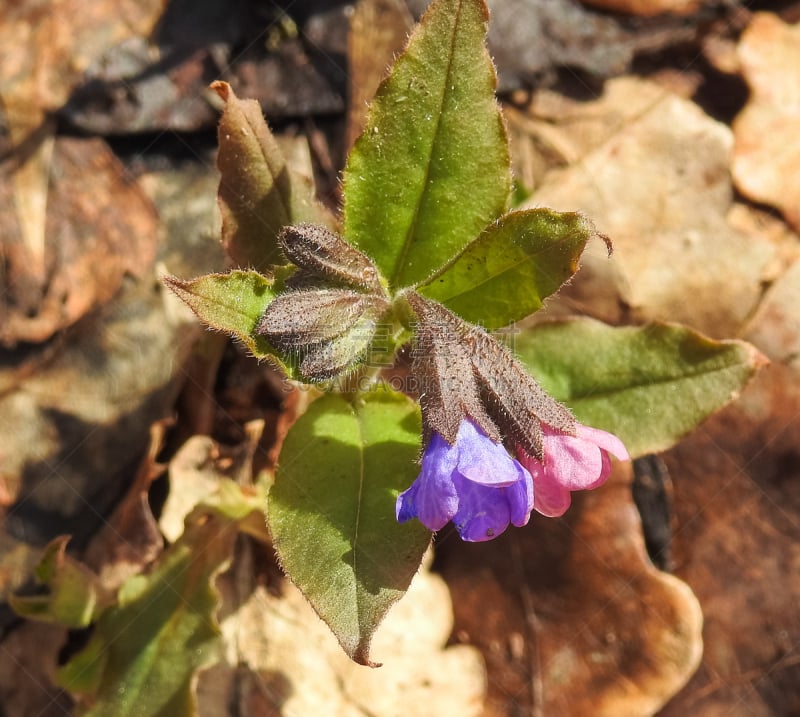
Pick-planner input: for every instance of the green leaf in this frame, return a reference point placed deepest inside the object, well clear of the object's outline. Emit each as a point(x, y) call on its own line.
point(232, 303)
point(649, 385)
point(431, 169)
point(74, 595)
point(144, 652)
point(510, 269)
point(258, 193)
point(332, 511)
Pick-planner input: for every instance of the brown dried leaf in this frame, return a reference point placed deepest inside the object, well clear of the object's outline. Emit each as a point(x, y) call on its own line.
point(75, 418)
point(767, 151)
point(378, 32)
point(572, 617)
point(290, 662)
point(130, 539)
point(736, 544)
point(95, 218)
point(28, 662)
point(647, 8)
point(48, 46)
point(659, 187)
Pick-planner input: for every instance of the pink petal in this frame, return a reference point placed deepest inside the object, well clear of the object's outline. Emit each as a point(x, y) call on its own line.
point(607, 441)
point(572, 462)
point(550, 498)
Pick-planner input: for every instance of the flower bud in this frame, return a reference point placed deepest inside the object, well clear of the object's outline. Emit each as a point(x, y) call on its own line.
point(330, 329)
point(318, 252)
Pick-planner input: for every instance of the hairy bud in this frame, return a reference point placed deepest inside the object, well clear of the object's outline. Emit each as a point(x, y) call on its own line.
point(318, 252)
point(464, 372)
point(441, 364)
point(330, 329)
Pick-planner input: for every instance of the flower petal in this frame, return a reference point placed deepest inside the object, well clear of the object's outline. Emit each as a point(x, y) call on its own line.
point(483, 461)
point(606, 441)
point(483, 511)
point(550, 497)
point(571, 461)
point(432, 497)
point(520, 498)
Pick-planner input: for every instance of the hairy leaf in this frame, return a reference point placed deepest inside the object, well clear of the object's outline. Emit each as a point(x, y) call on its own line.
point(510, 269)
point(431, 169)
point(649, 385)
point(233, 303)
point(258, 194)
point(332, 511)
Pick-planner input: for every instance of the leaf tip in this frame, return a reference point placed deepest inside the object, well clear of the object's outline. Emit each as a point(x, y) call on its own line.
point(223, 89)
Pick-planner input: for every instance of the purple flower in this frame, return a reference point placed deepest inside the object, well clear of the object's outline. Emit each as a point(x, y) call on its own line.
point(577, 462)
point(474, 483)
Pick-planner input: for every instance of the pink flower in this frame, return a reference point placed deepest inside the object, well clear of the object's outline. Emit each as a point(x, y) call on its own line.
point(579, 462)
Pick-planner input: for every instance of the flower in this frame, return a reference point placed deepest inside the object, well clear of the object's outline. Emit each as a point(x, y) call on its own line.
point(578, 462)
point(474, 483)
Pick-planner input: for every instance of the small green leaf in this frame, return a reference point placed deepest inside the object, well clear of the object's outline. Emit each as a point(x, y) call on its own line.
point(510, 269)
point(232, 303)
point(144, 652)
point(332, 511)
point(258, 193)
point(431, 169)
point(649, 385)
point(74, 595)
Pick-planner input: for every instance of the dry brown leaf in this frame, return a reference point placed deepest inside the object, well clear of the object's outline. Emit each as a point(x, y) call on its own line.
point(571, 615)
point(75, 421)
point(767, 131)
point(28, 661)
point(647, 8)
point(659, 187)
point(736, 543)
point(47, 46)
point(99, 226)
point(378, 32)
point(296, 665)
point(130, 539)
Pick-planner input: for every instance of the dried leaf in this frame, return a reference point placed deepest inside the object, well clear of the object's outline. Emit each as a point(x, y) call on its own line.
point(258, 193)
point(572, 617)
point(767, 151)
point(95, 217)
point(281, 657)
point(660, 188)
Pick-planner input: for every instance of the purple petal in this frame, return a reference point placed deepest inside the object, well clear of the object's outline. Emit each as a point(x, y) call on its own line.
point(432, 497)
point(482, 460)
point(520, 498)
point(483, 512)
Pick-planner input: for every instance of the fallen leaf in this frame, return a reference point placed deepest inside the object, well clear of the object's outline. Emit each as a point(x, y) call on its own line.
point(47, 47)
point(647, 8)
point(736, 539)
point(767, 150)
point(130, 540)
point(572, 617)
point(378, 31)
point(659, 187)
point(28, 660)
point(298, 667)
point(75, 418)
point(95, 217)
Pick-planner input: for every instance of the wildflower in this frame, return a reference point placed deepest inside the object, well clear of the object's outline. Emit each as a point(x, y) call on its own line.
point(578, 462)
point(473, 482)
